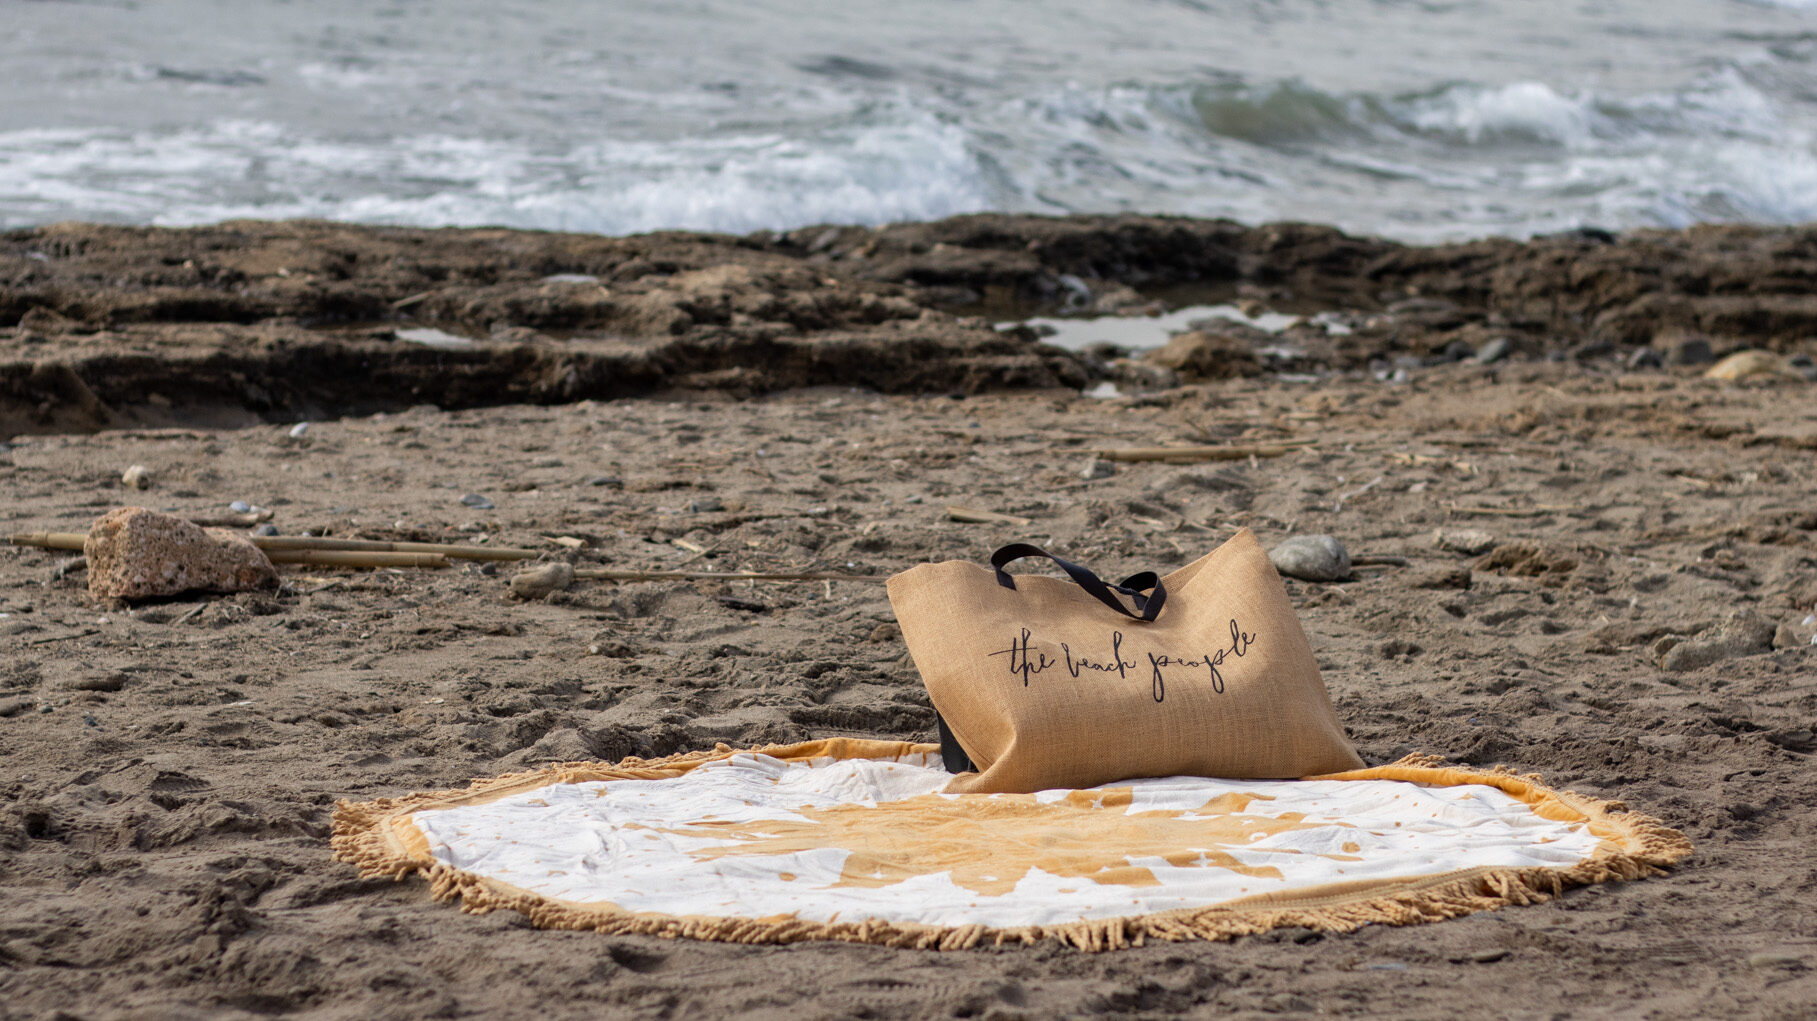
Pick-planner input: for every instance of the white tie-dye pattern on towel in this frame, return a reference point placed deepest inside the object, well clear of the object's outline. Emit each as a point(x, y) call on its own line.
point(855, 839)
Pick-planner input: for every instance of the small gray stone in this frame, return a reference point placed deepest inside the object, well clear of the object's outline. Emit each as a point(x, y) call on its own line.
point(477, 502)
point(1645, 358)
point(1494, 351)
point(539, 582)
point(136, 477)
point(266, 529)
point(1311, 558)
point(705, 505)
point(240, 507)
point(608, 481)
point(1098, 469)
point(1488, 956)
point(1691, 351)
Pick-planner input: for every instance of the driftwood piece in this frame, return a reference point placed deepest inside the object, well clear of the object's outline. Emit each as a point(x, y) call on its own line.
point(355, 558)
point(616, 574)
point(230, 519)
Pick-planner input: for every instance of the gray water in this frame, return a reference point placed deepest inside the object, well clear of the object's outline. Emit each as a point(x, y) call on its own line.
point(1413, 120)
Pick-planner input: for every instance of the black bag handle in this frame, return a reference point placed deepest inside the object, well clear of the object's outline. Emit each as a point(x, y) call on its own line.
point(1147, 606)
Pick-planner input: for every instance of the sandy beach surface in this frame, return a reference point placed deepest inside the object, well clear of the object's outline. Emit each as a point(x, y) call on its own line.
point(1631, 623)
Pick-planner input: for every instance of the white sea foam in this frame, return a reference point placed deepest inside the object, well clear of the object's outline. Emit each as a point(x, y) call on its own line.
point(1519, 110)
point(911, 168)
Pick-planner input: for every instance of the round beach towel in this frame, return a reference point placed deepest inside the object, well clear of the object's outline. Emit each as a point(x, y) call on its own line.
point(855, 840)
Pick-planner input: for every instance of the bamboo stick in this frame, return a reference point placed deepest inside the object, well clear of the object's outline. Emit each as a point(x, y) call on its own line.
point(355, 558)
point(49, 540)
point(1183, 455)
point(972, 516)
point(274, 543)
point(615, 574)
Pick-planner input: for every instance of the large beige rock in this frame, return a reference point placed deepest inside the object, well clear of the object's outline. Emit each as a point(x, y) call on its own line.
point(134, 553)
point(1202, 354)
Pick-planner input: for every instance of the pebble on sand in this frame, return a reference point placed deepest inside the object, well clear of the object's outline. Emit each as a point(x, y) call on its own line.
point(1494, 351)
point(136, 477)
point(1311, 558)
point(134, 553)
point(477, 502)
point(1098, 469)
point(539, 582)
point(1468, 541)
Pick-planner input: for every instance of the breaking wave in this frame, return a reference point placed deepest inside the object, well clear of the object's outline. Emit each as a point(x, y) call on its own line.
point(846, 141)
point(893, 168)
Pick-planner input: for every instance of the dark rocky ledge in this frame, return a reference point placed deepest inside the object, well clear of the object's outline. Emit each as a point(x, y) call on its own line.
point(113, 326)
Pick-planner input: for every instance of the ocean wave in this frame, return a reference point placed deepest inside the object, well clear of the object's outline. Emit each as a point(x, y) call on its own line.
point(876, 170)
point(1467, 114)
point(1459, 159)
point(1455, 160)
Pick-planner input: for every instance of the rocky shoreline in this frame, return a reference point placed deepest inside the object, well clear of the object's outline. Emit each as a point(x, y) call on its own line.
point(241, 322)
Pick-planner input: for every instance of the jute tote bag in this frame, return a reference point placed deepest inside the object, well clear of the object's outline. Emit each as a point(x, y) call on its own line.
point(1046, 683)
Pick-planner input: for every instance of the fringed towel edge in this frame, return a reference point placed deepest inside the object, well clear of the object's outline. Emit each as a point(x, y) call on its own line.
point(378, 838)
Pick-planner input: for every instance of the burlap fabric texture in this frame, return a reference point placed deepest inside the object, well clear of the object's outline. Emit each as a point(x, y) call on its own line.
point(1045, 686)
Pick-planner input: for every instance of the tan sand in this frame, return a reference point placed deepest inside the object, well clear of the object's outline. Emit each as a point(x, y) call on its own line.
point(169, 772)
point(1630, 628)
